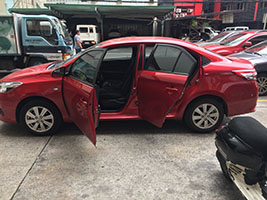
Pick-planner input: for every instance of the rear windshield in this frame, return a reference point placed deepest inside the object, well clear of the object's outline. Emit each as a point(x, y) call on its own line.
point(260, 48)
point(236, 39)
point(218, 37)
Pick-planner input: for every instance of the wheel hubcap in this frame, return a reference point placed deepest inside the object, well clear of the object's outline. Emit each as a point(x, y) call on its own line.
point(262, 83)
point(39, 119)
point(205, 116)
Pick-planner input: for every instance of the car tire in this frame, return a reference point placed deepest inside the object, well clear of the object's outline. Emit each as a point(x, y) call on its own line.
point(204, 115)
point(40, 117)
point(262, 83)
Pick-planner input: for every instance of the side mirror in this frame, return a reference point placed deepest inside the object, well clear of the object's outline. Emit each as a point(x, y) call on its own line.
point(247, 44)
point(59, 72)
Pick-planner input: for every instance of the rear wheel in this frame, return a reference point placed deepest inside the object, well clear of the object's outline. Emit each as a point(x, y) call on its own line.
point(262, 83)
point(204, 115)
point(223, 165)
point(40, 117)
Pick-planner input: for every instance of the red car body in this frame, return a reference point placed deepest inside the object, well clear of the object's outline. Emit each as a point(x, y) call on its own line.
point(154, 95)
point(240, 42)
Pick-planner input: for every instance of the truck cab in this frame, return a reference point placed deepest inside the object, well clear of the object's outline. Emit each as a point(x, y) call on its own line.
point(32, 39)
point(89, 35)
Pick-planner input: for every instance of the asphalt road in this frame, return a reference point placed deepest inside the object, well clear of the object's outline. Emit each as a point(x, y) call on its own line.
point(132, 160)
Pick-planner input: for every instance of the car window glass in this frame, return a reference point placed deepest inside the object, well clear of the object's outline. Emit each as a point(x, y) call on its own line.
point(185, 64)
point(85, 67)
point(164, 59)
point(83, 30)
point(258, 39)
point(148, 50)
point(42, 28)
point(121, 53)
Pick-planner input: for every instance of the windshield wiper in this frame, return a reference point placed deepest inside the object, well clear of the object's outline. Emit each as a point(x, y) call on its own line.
point(253, 52)
point(257, 53)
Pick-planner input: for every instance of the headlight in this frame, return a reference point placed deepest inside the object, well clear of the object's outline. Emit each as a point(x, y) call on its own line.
point(7, 86)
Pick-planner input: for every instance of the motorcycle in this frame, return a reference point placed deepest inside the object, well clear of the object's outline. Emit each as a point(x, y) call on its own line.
point(242, 154)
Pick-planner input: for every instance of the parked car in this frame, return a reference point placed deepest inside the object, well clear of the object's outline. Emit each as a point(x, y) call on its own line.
point(149, 78)
point(257, 55)
point(238, 42)
point(211, 32)
point(218, 38)
point(236, 28)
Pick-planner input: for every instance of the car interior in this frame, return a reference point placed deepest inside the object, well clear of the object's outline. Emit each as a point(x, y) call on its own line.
point(115, 77)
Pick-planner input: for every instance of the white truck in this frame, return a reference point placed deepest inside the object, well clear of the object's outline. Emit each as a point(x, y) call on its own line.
point(89, 35)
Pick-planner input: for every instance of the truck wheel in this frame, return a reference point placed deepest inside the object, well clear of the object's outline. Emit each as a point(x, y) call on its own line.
point(40, 117)
point(262, 83)
point(204, 115)
point(36, 61)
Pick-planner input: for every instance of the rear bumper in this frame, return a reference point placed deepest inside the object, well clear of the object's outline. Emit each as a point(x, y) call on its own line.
point(244, 100)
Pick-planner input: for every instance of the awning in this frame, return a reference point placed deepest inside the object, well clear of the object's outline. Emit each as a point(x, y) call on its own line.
point(31, 11)
point(106, 11)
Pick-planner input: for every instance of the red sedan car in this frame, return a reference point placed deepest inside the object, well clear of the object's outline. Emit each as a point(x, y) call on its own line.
point(238, 42)
point(149, 78)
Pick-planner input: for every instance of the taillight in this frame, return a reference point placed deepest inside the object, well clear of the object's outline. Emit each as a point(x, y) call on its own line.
point(247, 74)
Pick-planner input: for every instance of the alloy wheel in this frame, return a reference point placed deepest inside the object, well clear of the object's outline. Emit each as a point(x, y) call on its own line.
point(262, 83)
point(205, 116)
point(39, 119)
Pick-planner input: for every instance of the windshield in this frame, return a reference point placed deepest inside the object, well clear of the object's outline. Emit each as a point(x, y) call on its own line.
point(260, 48)
point(236, 39)
point(62, 28)
point(217, 38)
point(59, 64)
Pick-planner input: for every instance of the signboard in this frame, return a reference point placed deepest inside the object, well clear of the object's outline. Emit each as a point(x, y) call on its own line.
point(228, 18)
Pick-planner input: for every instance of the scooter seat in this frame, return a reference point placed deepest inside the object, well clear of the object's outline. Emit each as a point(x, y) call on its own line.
point(251, 132)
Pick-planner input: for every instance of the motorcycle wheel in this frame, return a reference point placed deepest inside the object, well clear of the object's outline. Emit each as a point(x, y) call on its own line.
point(223, 166)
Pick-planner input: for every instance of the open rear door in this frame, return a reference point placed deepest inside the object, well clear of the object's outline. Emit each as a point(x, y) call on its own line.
point(79, 92)
point(162, 82)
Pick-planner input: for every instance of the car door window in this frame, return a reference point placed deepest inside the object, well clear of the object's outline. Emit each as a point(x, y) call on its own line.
point(122, 53)
point(148, 50)
point(171, 59)
point(163, 59)
point(258, 39)
point(185, 64)
point(85, 67)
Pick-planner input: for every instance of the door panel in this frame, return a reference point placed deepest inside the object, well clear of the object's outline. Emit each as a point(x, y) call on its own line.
point(163, 81)
point(157, 92)
point(80, 100)
point(79, 92)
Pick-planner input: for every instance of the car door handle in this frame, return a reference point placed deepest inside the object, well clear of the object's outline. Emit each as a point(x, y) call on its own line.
point(172, 89)
point(83, 101)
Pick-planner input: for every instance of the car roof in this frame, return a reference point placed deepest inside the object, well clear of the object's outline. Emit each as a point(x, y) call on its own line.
point(147, 39)
point(163, 40)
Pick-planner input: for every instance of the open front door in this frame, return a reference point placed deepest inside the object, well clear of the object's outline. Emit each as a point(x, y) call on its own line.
point(79, 92)
point(162, 82)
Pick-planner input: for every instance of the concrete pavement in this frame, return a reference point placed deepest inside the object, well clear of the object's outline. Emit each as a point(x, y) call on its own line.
point(133, 160)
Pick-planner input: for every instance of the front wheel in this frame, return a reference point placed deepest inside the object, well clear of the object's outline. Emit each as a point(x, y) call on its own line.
point(262, 83)
point(204, 115)
point(40, 117)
